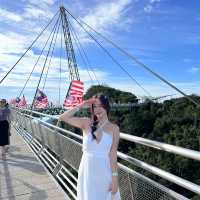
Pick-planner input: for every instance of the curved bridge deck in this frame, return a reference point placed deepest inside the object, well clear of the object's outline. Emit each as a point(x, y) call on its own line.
point(23, 177)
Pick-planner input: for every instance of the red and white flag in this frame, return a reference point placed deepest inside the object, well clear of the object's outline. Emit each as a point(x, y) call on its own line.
point(75, 95)
point(22, 103)
point(41, 100)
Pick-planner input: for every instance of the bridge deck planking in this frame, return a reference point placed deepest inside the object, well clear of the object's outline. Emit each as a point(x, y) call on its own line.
point(23, 177)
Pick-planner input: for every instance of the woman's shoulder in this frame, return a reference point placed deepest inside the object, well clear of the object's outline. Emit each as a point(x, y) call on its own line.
point(87, 125)
point(114, 130)
point(113, 126)
point(87, 122)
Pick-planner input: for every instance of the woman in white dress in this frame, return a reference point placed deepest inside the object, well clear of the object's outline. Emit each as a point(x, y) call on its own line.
point(98, 170)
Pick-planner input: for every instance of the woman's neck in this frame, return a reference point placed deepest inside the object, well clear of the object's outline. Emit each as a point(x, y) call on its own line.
point(103, 120)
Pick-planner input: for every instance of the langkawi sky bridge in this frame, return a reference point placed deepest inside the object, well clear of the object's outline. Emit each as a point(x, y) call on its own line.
point(45, 157)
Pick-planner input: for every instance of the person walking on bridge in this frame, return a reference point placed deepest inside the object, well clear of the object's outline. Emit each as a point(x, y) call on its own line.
point(98, 170)
point(4, 127)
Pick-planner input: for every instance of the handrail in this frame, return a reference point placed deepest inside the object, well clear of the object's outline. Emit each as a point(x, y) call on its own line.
point(162, 146)
point(188, 153)
point(57, 128)
point(166, 175)
point(39, 113)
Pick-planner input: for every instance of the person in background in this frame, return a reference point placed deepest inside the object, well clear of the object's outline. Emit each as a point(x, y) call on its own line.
point(9, 132)
point(4, 127)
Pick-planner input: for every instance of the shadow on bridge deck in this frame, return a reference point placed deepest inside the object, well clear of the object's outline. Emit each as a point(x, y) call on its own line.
point(23, 177)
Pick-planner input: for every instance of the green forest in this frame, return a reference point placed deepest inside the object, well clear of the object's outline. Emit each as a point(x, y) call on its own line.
point(175, 121)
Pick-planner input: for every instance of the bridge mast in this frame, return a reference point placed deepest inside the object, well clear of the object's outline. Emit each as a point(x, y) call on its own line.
point(72, 65)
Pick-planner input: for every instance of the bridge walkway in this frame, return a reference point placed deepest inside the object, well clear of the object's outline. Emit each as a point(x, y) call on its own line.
point(23, 177)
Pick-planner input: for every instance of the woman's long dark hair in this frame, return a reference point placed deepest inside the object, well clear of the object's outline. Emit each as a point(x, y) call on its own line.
point(105, 104)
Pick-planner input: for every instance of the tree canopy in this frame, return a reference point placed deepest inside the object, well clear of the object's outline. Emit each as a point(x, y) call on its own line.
point(115, 96)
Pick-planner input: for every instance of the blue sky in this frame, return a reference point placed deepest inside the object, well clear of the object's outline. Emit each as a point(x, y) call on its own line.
point(163, 34)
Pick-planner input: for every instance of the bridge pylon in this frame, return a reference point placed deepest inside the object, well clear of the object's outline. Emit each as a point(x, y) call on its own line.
point(72, 65)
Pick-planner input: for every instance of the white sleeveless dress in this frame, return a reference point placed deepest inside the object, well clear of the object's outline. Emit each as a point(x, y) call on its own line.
point(95, 174)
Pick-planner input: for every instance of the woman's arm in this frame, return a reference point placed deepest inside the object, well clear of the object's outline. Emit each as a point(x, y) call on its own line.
point(80, 122)
point(113, 160)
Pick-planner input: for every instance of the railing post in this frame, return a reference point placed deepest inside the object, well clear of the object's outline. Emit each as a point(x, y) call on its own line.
point(129, 182)
point(20, 124)
point(41, 135)
point(32, 130)
point(42, 139)
point(60, 153)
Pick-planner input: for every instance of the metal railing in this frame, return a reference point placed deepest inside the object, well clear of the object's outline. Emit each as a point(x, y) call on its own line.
point(61, 152)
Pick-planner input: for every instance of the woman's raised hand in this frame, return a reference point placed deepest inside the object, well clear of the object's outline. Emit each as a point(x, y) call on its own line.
point(88, 102)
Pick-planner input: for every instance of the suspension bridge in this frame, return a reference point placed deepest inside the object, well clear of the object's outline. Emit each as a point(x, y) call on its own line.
point(44, 158)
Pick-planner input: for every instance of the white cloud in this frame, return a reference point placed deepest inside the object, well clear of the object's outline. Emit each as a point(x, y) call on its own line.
point(101, 17)
point(42, 2)
point(49, 2)
point(18, 80)
point(34, 12)
point(30, 18)
point(107, 14)
point(150, 6)
point(27, 63)
point(1, 70)
point(9, 16)
point(154, 1)
point(193, 70)
point(105, 17)
point(158, 89)
point(21, 72)
point(12, 42)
